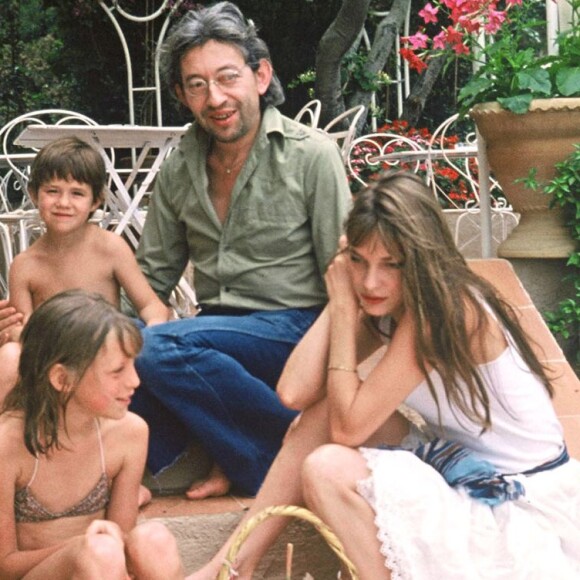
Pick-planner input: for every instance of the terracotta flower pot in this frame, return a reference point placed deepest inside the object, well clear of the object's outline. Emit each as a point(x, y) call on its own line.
point(538, 139)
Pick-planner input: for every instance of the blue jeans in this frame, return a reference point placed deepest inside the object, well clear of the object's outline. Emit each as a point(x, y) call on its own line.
point(212, 379)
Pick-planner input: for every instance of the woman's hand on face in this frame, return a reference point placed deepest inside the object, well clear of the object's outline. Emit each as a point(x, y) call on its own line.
point(341, 292)
point(9, 321)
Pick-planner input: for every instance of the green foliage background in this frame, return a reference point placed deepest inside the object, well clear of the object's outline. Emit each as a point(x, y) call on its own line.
point(66, 54)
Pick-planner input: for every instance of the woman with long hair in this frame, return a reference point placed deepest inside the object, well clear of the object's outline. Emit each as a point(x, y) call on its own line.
point(483, 487)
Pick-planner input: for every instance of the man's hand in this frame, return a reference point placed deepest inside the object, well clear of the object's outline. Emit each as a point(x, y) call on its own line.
point(10, 320)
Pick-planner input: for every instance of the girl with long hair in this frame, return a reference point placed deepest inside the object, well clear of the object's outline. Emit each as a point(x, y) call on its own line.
point(72, 456)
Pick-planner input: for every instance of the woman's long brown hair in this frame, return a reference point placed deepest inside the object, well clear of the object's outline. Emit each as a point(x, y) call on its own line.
point(439, 288)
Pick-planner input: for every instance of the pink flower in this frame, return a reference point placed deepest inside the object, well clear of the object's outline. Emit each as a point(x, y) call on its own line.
point(439, 41)
point(495, 20)
point(461, 23)
point(417, 41)
point(429, 13)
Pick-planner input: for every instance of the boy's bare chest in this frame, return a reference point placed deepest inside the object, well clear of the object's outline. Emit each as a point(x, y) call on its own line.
point(86, 270)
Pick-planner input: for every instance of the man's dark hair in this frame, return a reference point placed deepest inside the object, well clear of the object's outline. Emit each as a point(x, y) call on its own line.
point(222, 22)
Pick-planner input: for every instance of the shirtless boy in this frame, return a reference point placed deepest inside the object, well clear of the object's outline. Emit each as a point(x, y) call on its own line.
point(67, 184)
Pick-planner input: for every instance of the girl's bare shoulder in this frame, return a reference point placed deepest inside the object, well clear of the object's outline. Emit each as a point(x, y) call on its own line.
point(135, 423)
point(487, 337)
point(131, 428)
point(13, 452)
point(11, 425)
point(124, 440)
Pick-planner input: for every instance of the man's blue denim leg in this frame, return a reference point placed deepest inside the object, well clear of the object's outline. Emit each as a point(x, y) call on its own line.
point(212, 378)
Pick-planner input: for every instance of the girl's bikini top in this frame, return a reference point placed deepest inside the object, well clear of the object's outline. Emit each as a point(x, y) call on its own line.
point(27, 509)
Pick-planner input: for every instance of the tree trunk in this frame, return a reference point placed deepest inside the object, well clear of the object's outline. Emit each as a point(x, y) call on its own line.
point(339, 39)
point(334, 44)
point(381, 49)
point(415, 102)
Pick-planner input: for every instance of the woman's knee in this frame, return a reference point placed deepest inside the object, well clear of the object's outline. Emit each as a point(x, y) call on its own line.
point(332, 467)
point(324, 464)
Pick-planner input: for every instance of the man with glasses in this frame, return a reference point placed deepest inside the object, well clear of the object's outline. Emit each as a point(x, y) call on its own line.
point(256, 202)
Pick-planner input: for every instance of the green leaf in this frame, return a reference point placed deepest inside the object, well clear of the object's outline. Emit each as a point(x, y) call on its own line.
point(535, 80)
point(530, 181)
point(475, 87)
point(568, 81)
point(519, 104)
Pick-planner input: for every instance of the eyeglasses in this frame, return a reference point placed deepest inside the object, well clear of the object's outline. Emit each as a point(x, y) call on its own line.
point(198, 87)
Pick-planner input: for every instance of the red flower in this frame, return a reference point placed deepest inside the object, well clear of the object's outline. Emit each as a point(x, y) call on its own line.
point(414, 61)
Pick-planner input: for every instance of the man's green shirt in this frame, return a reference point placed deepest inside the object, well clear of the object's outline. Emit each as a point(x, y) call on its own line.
point(285, 217)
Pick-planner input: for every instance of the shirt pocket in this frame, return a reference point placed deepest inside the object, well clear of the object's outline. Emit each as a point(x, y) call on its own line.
point(271, 230)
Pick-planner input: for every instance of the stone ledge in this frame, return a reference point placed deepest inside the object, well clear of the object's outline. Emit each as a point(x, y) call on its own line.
point(202, 527)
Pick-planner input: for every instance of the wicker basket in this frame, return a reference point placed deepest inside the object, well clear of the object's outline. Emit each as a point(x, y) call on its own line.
point(333, 542)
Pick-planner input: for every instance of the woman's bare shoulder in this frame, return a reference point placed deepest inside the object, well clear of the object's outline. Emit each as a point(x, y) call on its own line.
point(487, 336)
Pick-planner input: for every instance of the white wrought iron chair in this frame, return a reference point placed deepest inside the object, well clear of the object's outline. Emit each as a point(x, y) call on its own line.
point(6, 257)
point(343, 128)
point(374, 153)
point(463, 159)
point(309, 114)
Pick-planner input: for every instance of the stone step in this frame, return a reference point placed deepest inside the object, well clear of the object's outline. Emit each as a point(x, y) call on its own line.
point(201, 528)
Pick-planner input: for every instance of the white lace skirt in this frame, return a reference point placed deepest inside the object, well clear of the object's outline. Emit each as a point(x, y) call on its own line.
point(430, 531)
